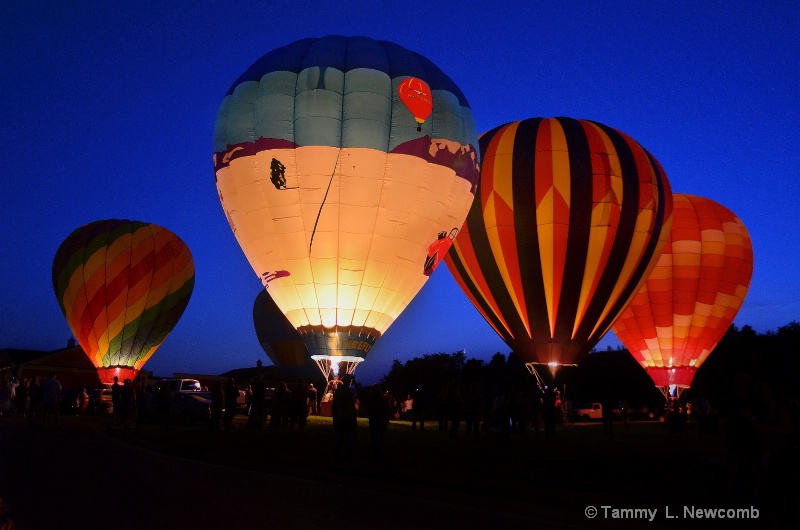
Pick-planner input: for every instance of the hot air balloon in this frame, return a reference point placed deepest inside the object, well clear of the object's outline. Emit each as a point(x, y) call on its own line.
point(122, 286)
point(692, 295)
point(569, 218)
point(416, 95)
point(280, 341)
point(336, 185)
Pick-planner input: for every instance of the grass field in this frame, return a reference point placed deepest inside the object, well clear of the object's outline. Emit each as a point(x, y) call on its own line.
point(640, 465)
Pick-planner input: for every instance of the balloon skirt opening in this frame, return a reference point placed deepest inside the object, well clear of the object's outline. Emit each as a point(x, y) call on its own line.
point(107, 375)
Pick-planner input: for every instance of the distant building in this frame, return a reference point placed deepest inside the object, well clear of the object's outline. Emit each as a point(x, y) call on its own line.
point(75, 370)
point(71, 365)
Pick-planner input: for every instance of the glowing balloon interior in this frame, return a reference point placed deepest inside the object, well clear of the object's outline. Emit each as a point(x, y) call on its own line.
point(122, 286)
point(692, 295)
point(336, 178)
point(569, 218)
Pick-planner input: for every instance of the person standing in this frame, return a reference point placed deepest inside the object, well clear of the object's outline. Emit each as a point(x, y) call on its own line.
point(83, 401)
point(313, 404)
point(418, 413)
point(5, 398)
point(473, 409)
point(258, 404)
point(231, 402)
point(345, 420)
point(116, 396)
point(126, 403)
point(380, 410)
point(217, 404)
point(140, 401)
point(549, 412)
point(454, 406)
point(408, 407)
point(280, 406)
point(568, 419)
point(23, 396)
point(299, 406)
point(608, 412)
point(35, 396)
point(51, 398)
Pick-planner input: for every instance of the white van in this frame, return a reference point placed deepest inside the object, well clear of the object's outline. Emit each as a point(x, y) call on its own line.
point(176, 385)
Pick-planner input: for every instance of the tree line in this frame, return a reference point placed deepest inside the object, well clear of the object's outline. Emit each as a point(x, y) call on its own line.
point(772, 357)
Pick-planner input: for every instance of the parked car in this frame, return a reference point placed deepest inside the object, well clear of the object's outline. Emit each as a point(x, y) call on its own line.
point(176, 385)
point(189, 407)
point(588, 411)
point(594, 411)
point(100, 403)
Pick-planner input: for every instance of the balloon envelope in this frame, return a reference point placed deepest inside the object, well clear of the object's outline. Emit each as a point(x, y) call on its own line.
point(122, 286)
point(280, 341)
point(569, 218)
point(692, 295)
point(333, 189)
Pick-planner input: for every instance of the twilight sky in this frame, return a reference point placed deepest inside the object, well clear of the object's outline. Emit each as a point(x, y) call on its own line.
point(109, 108)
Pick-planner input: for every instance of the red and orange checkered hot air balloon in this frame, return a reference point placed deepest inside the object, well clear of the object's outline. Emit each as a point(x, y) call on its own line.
point(693, 294)
point(569, 219)
point(122, 286)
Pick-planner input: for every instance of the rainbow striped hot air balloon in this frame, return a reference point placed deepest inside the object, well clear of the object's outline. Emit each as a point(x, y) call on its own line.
point(122, 286)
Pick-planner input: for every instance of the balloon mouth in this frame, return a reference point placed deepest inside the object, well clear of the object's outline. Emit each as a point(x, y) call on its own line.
point(665, 376)
point(536, 369)
point(338, 348)
point(108, 373)
point(338, 358)
point(332, 366)
point(339, 341)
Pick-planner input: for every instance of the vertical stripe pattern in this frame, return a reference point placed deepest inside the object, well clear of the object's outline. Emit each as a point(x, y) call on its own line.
point(570, 217)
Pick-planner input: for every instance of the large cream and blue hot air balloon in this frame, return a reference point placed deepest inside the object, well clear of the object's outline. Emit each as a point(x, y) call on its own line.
point(345, 166)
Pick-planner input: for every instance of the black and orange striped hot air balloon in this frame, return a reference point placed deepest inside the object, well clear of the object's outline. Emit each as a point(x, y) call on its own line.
point(122, 286)
point(568, 220)
point(692, 295)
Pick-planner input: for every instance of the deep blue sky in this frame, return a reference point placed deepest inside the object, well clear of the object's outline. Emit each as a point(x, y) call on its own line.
point(108, 111)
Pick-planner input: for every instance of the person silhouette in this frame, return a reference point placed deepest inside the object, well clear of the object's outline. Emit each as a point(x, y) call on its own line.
point(345, 420)
point(116, 396)
point(549, 411)
point(313, 403)
point(51, 399)
point(608, 411)
point(231, 402)
point(379, 409)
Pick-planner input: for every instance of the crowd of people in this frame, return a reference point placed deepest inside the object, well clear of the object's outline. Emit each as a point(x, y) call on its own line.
point(37, 398)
